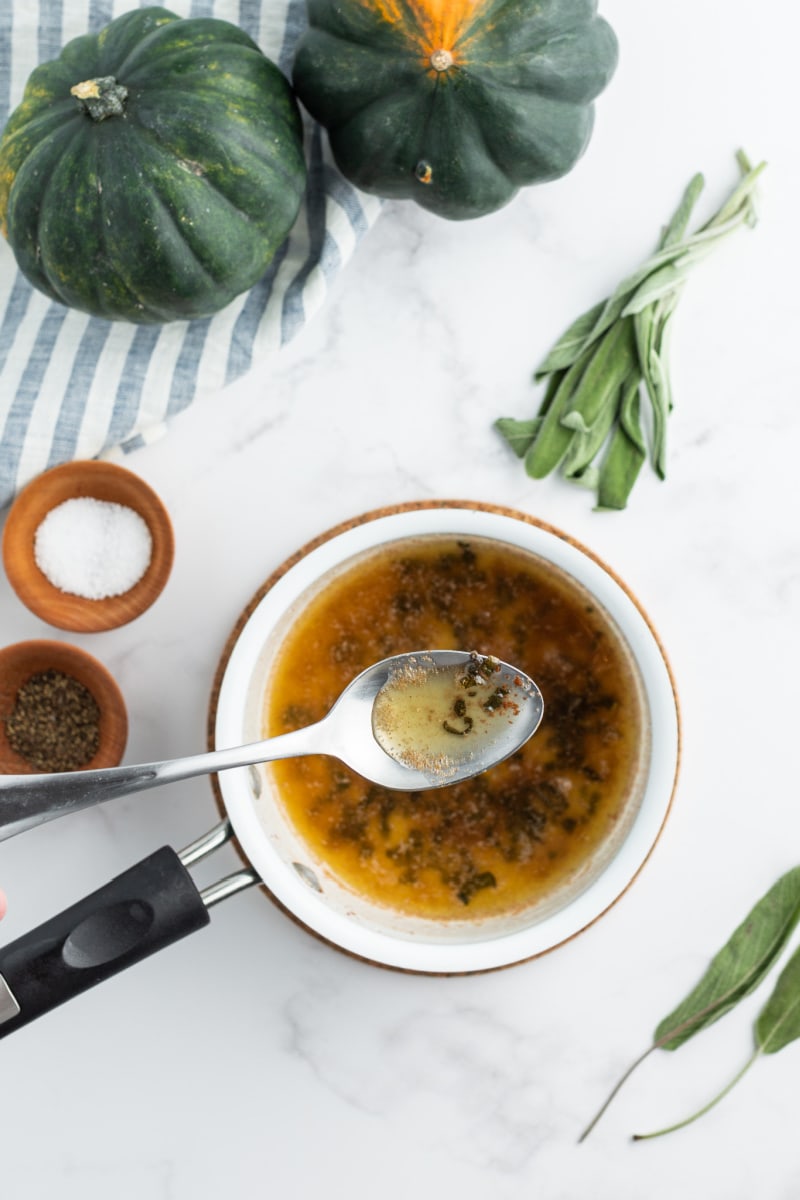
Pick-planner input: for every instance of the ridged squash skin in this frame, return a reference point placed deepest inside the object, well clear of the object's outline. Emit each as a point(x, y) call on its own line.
point(151, 172)
point(454, 103)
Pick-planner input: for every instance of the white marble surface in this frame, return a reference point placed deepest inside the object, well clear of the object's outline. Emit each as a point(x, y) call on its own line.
point(251, 1060)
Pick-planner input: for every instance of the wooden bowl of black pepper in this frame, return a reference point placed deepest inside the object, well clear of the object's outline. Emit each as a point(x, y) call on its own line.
point(60, 710)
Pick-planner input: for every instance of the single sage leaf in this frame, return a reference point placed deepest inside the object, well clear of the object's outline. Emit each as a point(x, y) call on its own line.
point(629, 415)
point(679, 222)
point(612, 360)
point(778, 1023)
point(739, 966)
point(662, 314)
point(521, 434)
point(575, 422)
point(621, 465)
point(553, 439)
point(547, 451)
point(740, 200)
point(661, 283)
point(571, 343)
point(660, 392)
point(551, 391)
point(518, 434)
point(657, 384)
point(588, 441)
point(588, 477)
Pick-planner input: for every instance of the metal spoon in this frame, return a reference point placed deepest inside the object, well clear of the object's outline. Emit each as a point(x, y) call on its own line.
point(345, 733)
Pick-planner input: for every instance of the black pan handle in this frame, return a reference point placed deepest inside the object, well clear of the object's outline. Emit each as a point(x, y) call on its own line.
point(146, 908)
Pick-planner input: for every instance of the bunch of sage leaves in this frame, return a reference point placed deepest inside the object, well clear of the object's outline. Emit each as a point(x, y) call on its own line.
point(739, 967)
point(590, 423)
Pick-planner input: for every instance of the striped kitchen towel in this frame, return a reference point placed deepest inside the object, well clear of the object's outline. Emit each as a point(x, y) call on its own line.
point(74, 386)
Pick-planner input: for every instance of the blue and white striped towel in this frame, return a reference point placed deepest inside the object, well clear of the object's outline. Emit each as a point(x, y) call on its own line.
point(74, 386)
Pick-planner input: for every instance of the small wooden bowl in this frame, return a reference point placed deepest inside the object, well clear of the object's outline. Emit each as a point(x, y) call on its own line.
point(24, 659)
point(102, 481)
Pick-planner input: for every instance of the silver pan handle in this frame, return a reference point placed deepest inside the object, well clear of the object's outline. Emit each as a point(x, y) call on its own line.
point(209, 842)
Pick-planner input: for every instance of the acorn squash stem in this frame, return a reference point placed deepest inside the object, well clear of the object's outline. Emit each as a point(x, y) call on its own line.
point(100, 98)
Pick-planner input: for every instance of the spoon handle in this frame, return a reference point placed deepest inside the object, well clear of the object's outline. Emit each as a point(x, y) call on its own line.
point(30, 800)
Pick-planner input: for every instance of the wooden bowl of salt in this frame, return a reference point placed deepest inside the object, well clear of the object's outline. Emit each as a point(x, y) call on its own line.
point(88, 546)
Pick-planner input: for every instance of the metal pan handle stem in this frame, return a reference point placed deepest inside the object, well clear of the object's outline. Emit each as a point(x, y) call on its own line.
point(147, 908)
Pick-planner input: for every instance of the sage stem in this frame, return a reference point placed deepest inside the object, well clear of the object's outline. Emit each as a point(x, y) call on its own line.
point(641, 1137)
point(614, 1091)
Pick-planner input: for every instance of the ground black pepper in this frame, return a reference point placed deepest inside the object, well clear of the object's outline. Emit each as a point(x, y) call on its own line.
point(55, 722)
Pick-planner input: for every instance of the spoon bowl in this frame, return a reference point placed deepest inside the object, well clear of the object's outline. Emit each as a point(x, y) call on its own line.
point(352, 735)
point(347, 733)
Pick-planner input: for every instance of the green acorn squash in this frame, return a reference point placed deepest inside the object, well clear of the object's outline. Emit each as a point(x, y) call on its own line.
point(454, 103)
point(152, 170)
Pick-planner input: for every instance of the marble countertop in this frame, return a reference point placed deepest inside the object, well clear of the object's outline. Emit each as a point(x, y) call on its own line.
point(251, 1059)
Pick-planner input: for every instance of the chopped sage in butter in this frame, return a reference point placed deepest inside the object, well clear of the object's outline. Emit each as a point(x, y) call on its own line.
point(614, 359)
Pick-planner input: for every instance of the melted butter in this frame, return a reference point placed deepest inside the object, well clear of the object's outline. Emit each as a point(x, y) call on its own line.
point(507, 838)
point(436, 718)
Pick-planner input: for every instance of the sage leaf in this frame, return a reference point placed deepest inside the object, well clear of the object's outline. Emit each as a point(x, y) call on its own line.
point(734, 972)
point(553, 439)
point(629, 419)
point(740, 197)
point(660, 283)
point(575, 422)
point(521, 434)
point(650, 329)
point(588, 440)
point(613, 359)
point(570, 344)
point(740, 965)
point(622, 339)
point(626, 454)
point(777, 1025)
point(587, 477)
point(518, 434)
point(679, 222)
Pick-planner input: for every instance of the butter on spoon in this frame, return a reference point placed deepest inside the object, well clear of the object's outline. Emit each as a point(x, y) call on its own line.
point(451, 718)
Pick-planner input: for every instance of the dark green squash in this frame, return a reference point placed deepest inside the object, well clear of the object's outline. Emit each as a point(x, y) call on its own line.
point(152, 171)
point(454, 103)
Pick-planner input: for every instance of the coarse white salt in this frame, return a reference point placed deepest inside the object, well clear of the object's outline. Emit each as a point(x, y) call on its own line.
point(93, 548)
